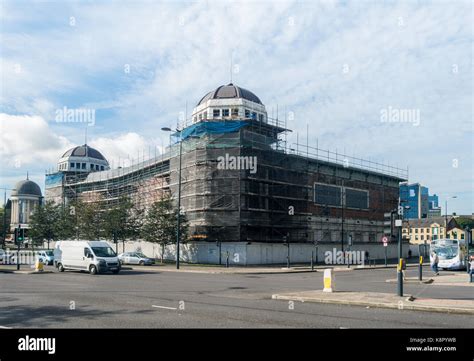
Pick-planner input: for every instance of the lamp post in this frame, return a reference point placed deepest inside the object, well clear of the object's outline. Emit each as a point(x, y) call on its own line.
point(178, 216)
point(446, 214)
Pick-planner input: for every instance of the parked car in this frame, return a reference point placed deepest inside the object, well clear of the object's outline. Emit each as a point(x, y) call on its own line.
point(47, 256)
point(92, 256)
point(135, 258)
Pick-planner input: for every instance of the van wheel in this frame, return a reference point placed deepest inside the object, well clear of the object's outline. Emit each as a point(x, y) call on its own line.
point(60, 267)
point(93, 270)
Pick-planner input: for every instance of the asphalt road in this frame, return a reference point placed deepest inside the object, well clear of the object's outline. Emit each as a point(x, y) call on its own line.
point(156, 299)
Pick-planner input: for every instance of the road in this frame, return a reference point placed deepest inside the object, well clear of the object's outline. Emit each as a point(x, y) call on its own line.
point(156, 299)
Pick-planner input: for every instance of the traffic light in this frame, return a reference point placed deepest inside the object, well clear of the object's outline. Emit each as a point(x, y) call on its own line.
point(388, 224)
point(19, 234)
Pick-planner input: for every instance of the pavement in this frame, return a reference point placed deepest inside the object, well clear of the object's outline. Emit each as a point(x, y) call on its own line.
point(383, 300)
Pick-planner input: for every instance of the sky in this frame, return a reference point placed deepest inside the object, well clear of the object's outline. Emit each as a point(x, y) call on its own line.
point(345, 70)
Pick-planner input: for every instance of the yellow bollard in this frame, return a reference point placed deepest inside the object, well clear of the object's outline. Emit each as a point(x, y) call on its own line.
point(328, 281)
point(39, 265)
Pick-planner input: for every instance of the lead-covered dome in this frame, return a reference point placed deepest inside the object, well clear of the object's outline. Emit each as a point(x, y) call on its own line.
point(230, 91)
point(26, 188)
point(84, 151)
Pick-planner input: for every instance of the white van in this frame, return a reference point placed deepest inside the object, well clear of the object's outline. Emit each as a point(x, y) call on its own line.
point(92, 256)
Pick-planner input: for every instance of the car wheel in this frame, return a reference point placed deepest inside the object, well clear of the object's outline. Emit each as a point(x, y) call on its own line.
point(93, 270)
point(60, 267)
point(141, 263)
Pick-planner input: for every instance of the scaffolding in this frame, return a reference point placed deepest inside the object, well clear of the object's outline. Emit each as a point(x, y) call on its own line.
point(276, 203)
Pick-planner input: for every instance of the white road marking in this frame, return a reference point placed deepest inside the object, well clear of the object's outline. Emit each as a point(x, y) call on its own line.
point(5, 327)
point(166, 308)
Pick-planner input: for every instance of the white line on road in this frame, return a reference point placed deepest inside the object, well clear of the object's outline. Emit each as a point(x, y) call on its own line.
point(166, 308)
point(5, 327)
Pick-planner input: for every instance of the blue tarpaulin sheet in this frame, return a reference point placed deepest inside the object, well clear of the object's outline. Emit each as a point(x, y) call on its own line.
point(212, 128)
point(53, 180)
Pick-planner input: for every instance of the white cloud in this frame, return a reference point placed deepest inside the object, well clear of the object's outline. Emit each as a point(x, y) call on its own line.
point(29, 141)
point(122, 149)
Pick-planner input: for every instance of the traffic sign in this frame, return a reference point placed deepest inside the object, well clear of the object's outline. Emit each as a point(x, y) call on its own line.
point(385, 241)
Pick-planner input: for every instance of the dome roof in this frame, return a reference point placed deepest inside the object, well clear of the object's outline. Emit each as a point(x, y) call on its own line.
point(26, 187)
point(84, 151)
point(230, 91)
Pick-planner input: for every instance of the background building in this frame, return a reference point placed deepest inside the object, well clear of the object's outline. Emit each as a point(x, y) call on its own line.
point(246, 191)
point(25, 197)
point(421, 203)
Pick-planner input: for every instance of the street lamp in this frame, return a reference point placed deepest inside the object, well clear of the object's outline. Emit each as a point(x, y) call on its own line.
point(178, 216)
point(446, 214)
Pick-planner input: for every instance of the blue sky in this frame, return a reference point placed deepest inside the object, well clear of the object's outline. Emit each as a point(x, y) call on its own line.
point(334, 65)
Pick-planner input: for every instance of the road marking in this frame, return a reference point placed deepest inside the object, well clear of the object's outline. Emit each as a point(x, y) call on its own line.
point(5, 327)
point(166, 308)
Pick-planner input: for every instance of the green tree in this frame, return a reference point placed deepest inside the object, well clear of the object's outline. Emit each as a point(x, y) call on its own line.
point(43, 223)
point(160, 223)
point(119, 221)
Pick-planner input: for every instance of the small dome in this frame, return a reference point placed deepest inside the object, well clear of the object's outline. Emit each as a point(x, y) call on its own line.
point(230, 91)
point(26, 187)
point(84, 151)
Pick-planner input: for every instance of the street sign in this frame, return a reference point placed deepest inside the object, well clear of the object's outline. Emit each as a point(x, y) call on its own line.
point(385, 241)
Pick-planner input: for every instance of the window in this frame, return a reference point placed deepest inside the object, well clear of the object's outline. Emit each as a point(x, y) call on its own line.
point(356, 198)
point(422, 237)
point(200, 116)
point(462, 235)
point(422, 230)
point(327, 194)
point(87, 252)
point(92, 166)
point(416, 230)
point(247, 113)
point(260, 117)
point(78, 165)
point(235, 112)
point(101, 167)
point(254, 115)
point(225, 112)
point(83, 165)
point(72, 165)
point(204, 115)
point(216, 113)
point(96, 167)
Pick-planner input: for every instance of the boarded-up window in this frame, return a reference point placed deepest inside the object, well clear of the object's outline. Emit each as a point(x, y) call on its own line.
point(356, 198)
point(327, 194)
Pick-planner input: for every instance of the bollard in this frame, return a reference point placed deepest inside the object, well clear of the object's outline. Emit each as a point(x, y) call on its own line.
point(328, 281)
point(227, 260)
point(400, 278)
point(312, 261)
point(420, 269)
point(39, 265)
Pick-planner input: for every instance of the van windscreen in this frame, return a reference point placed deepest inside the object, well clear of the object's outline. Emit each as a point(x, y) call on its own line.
point(103, 252)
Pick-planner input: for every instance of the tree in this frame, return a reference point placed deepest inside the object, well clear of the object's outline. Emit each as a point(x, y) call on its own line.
point(119, 221)
point(43, 222)
point(160, 223)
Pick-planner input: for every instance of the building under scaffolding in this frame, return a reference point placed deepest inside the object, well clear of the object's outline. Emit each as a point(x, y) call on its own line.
point(245, 191)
